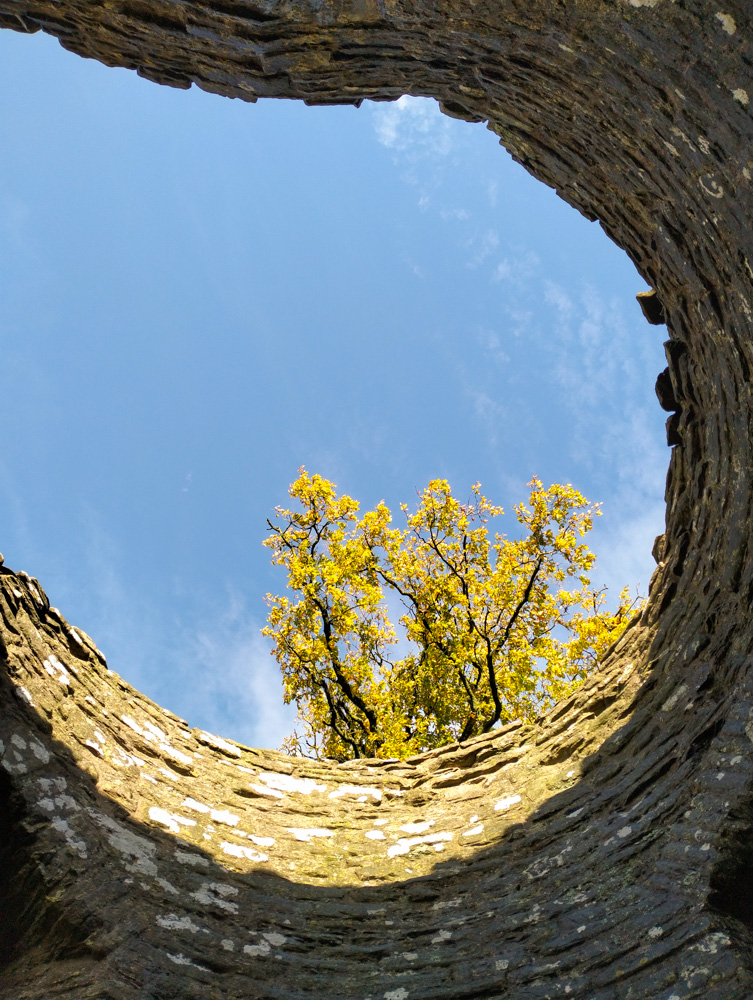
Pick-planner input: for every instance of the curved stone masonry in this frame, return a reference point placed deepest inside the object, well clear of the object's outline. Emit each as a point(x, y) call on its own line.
point(161, 861)
point(604, 852)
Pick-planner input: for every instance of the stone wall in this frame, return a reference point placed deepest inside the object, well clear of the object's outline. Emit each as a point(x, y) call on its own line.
point(604, 852)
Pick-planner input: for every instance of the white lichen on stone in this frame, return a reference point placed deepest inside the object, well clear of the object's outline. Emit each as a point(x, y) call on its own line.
point(172, 922)
point(287, 783)
point(75, 844)
point(181, 959)
point(228, 944)
point(49, 786)
point(271, 793)
point(275, 939)
point(239, 851)
point(170, 751)
point(150, 733)
point(128, 843)
point(132, 725)
point(711, 944)
point(214, 893)
point(727, 21)
point(260, 949)
point(360, 791)
point(172, 821)
point(306, 834)
point(63, 802)
point(711, 187)
point(670, 703)
point(474, 831)
point(218, 743)
point(399, 994)
point(405, 844)
point(189, 803)
point(224, 816)
point(440, 936)
point(418, 827)
point(24, 693)
point(507, 802)
point(741, 96)
point(501, 964)
point(187, 858)
point(261, 841)
point(55, 669)
point(268, 940)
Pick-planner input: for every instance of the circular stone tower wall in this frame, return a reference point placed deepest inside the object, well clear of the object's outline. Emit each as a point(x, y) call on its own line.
point(604, 852)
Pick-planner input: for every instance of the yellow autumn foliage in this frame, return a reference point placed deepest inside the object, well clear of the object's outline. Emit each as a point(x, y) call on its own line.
point(494, 629)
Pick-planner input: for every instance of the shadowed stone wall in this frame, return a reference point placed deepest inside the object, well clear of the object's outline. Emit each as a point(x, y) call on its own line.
point(607, 851)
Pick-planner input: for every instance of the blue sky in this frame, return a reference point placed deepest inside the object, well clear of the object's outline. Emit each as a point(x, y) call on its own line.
point(200, 295)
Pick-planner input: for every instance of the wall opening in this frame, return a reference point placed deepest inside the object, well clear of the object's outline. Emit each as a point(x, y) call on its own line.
point(407, 304)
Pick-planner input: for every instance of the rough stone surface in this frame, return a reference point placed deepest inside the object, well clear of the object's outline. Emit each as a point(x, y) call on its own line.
point(604, 853)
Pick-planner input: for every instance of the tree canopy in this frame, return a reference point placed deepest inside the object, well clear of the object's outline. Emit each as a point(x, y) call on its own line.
point(492, 629)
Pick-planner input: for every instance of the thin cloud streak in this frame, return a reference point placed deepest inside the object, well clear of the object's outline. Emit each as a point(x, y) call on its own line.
point(413, 126)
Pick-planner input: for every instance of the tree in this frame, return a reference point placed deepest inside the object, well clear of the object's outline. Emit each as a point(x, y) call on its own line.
point(491, 629)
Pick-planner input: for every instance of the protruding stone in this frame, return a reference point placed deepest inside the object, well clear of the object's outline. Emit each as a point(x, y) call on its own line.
point(665, 392)
point(672, 426)
point(651, 307)
point(658, 548)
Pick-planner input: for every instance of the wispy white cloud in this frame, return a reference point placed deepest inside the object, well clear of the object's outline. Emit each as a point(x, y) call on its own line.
point(623, 544)
point(556, 296)
point(481, 246)
point(491, 343)
point(210, 666)
point(413, 126)
point(454, 214)
point(489, 413)
point(586, 382)
point(518, 268)
point(603, 372)
point(237, 683)
point(422, 140)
